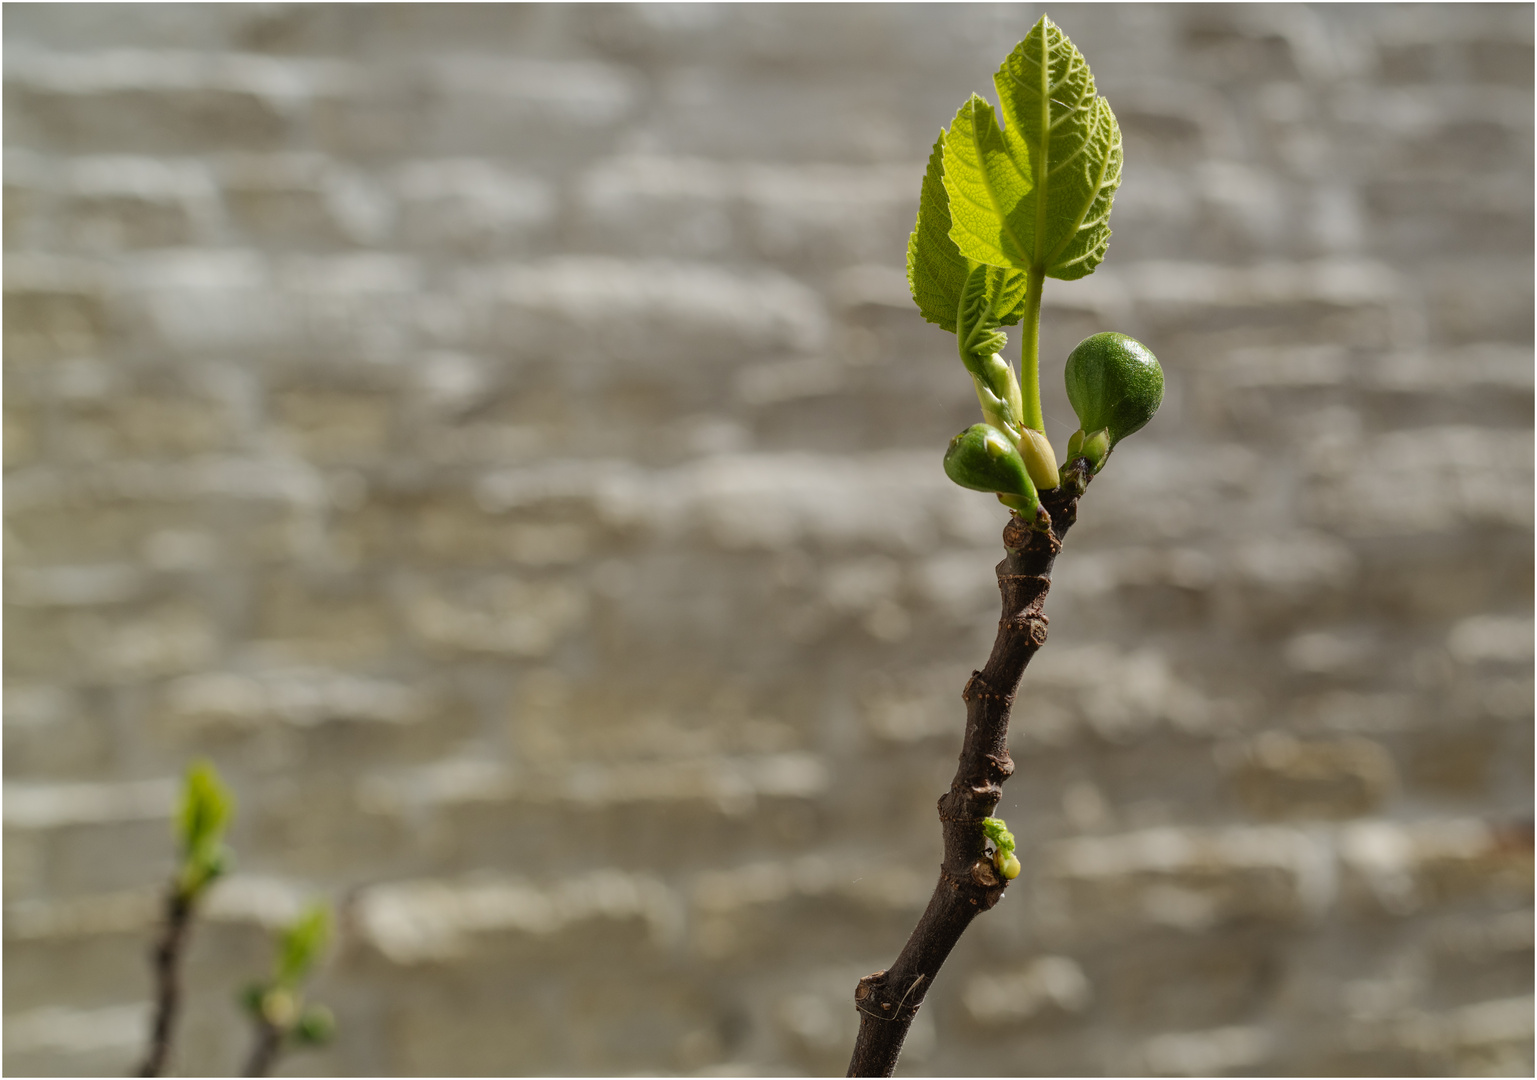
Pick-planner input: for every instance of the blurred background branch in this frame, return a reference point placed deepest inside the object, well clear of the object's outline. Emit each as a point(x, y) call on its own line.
point(201, 817)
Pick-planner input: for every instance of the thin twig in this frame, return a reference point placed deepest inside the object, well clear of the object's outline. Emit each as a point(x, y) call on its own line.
point(968, 884)
point(166, 960)
point(269, 1039)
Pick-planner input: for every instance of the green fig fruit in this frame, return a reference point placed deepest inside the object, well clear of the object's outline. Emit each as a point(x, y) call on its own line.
point(985, 459)
point(1114, 383)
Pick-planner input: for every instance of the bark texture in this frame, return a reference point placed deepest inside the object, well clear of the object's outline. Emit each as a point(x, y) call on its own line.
point(166, 960)
point(968, 885)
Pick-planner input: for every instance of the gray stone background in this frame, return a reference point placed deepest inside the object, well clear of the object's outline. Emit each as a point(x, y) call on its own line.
point(500, 438)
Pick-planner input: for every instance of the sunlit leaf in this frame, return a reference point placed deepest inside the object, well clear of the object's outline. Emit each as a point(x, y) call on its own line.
point(1037, 192)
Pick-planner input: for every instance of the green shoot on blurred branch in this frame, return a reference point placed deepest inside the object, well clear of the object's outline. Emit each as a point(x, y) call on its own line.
point(1001, 209)
point(205, 812)
point(201, 818)
point(276, 1006)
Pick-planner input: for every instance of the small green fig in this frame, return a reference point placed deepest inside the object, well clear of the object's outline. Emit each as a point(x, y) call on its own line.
point(985, 459)
point(1115, 385)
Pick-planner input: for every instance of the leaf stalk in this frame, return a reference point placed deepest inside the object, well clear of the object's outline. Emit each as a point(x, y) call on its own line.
point(1030, 350)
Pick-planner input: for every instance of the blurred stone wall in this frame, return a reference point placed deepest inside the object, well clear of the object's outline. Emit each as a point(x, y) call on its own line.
point(500, 438)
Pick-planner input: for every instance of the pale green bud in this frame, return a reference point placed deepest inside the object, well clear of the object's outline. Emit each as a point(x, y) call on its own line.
point(1040, 458)
point(996, 411)
point(1003, 397)
point(1004, 859)
point(1096, 448)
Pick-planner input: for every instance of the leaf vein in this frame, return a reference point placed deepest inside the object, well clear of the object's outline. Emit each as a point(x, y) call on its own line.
point(1059, 166)
point(1099, 186)
point(1095, 250)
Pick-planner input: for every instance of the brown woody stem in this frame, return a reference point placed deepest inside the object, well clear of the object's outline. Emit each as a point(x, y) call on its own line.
point(968, 885)
point(264, 1052)
point(166, 959)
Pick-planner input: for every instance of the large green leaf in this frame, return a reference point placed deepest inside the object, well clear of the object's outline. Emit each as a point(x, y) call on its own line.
point(937, 272)
point(1036, 194)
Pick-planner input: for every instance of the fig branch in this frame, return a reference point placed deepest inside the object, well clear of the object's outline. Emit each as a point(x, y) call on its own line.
point(279, 1015)
point(1002, 209)
point(203, 814)
point(971, 880)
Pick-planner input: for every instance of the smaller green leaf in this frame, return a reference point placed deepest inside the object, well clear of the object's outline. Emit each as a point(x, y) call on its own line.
point(988, 178)
point(997, 830)
point(991, 297)
point(302, 943)
point(937, 273)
